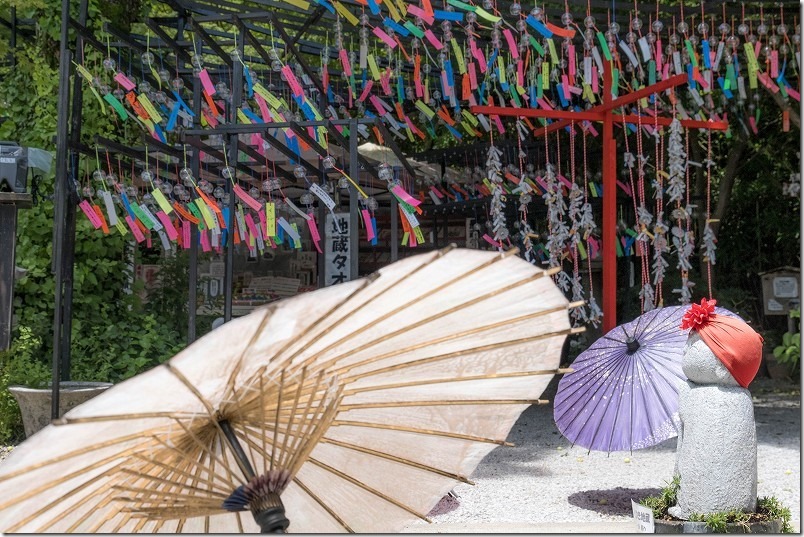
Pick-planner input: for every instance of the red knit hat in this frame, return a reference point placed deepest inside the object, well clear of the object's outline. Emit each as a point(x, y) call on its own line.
point(735, 343)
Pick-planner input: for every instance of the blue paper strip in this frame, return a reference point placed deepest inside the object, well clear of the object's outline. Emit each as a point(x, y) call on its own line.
point(249, 82)
point(174, 116)
point(538, 26)
point(398, 28)
point(374, 227)
point(707, 61)
point(440, 15)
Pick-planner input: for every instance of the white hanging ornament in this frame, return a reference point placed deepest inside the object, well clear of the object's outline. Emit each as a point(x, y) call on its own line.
point(676, 164)
point(709, 244)
point(497, 207)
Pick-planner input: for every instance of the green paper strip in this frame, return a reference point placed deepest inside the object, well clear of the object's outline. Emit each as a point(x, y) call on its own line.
point(539, 96)
point(98, 97)
point(545, 76)
point(651, 72)
point(405, 237)
point(515, 96)
point(121, 228)
point(458, 56)
point(615, 81)
point(554, 59)
point(162, 201)
point(749, 54)
point(118, 107)
point(413, 29)
point(461, 5)
point(424, 109)
point(486, 15)
point(194, 210)
point(603, 45)
point(501, 69)
point(141, 216)
point(691, 52)
point(535, 44)
point(469, 117)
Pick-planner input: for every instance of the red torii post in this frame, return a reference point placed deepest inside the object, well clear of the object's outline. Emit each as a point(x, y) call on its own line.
point(604, 113)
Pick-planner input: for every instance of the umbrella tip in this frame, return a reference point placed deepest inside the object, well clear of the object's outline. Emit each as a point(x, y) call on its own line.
point(631, 345)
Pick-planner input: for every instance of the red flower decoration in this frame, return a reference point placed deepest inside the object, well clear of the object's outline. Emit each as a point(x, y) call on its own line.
point(698, 315)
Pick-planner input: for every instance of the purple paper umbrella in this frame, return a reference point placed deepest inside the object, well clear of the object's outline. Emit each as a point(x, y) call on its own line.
point(623, 392)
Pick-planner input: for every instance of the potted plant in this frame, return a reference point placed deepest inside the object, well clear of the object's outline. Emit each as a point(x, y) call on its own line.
point(788, 354)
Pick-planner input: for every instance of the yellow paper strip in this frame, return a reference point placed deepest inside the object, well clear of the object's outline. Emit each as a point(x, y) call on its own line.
point(149, 107)
point(302, 4)
point(392, 10)
point(162, 201)
point(458, 56)
point(345, 13)
point(375, 72)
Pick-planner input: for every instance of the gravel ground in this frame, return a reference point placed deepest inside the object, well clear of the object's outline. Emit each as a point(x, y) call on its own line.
point(543, 479)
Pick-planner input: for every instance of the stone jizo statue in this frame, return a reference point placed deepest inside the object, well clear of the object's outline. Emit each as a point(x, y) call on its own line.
point(716, 457)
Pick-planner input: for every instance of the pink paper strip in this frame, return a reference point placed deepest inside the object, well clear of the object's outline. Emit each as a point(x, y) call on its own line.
point(565, 87)
point(592, 129)
point(90, 213)
point(185, 234)
point(575, 90)
point(387, 39)
point(169, 229)
point(246, 198)
point(542, 184)
point(266, 115)
point(314, 233)
point(148, 240)
point(666, 71)
point(566, 182)
point(124, 81)
point(211, 120)
point(511, 43)
point(412, 240)
point(252, 228)
point(135, 229)
point(624, 187)
point(658, 55)
point(491, 241)
point(571, 60)
point(263, 223)
point(376, 102)
point(433, 39)
point(419, 12)
point(481, 60)
point(385, 82)
point(595, 82)
point(404, 196)
point(700, 80)
point(295, 87)
point(774, 61)
point(347, 68)
point(367, 90)
point(472, 76)
point(367, 221)
point(205, 245)
point(446, 84)
point(543, 103)
point(793, 93)
point(209, 87)
point(437, 192)
point(753, 123)
point(757, 46)
point(498, 122)
point(520, 73)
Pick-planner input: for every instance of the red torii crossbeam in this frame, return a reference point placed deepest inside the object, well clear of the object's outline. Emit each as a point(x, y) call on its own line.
point(604, 113)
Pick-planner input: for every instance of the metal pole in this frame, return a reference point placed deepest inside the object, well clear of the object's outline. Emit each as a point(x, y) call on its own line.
point(394, 229)
point(195, 168)
point(234, 104)
point(354, 173)
point(72, 200)
point(8, 242)
point(63, 111)
point(322, 228)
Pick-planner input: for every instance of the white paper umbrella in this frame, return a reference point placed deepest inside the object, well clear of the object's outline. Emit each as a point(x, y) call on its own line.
point(353, 408)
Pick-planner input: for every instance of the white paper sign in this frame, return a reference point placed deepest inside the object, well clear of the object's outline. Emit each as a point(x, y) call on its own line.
point(643, 516)
point(321, 194)
point(785, 287)
point(337, 249)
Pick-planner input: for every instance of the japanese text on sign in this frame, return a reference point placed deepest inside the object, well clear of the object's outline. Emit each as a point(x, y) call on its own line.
point(337, 254)
point(643, 516)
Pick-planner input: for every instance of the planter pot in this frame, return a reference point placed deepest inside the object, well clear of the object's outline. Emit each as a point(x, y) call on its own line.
point(35, 404)
point(682, 526)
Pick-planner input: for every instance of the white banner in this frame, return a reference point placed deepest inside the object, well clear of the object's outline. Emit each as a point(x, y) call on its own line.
point(337, 253)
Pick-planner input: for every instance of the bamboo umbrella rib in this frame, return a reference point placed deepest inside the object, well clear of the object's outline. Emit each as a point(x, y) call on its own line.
point(400, 460)
point(416, 430)
point(307, 421)
point(289, 427)
point(407, 328)
point(55, 517)
point(276, 423)
point(156, 479)
point(150, 493)
point(323, 505)
point(377, 275)
point(267, 313)
point(60, 499)
point(210, 482)
point(102, 502)
point(124, 417)
point(625, 364)
point(70, 455)
point(463, 334)
point(190, 461)
point(199, 443)
point(368, 280)
point(445, 402)
point(169, 512)
point(327, 416)
point(64, 478)
point(397, 310)
point(513, 374)
point(189, 385)
point(367, 488)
